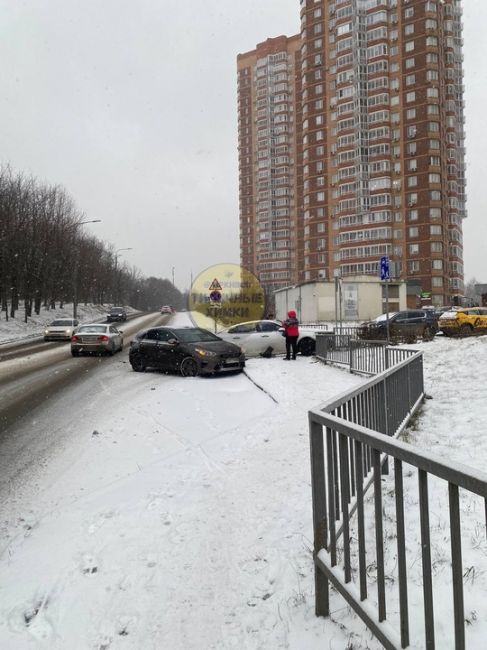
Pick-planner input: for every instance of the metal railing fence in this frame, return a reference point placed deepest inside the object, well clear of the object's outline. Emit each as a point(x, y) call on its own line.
point(349, 453)
point(362, 356)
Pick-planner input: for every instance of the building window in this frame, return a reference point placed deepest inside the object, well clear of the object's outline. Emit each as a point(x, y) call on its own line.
point(413, 249)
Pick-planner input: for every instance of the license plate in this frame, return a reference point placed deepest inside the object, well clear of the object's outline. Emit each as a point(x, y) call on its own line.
point(229, 361)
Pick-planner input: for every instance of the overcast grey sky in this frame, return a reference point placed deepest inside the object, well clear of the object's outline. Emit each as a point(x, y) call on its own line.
point(131, 106)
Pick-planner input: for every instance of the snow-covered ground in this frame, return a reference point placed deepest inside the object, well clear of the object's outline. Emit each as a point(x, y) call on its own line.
point(148, 511)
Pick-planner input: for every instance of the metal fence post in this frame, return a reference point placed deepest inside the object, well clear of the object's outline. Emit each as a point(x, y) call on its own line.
point(320, 521)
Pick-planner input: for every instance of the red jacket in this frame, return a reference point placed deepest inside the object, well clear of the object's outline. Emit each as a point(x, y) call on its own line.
point(291, 324)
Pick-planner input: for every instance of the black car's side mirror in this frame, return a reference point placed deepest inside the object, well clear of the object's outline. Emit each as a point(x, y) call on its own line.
point(173, 341)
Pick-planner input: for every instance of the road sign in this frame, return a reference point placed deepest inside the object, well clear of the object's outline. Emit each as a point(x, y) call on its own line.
point(384, 268)
point(215, 296)
point(215, 286)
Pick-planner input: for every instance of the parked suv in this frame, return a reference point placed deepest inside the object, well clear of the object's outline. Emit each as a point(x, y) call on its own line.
point(464, 321)
point(407, 325)
point(116, 314)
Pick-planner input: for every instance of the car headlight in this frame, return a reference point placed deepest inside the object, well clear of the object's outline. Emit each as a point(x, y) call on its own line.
point(205, 353)
point(46, 331)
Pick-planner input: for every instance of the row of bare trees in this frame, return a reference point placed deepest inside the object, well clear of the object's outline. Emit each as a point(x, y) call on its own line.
point(45, 257)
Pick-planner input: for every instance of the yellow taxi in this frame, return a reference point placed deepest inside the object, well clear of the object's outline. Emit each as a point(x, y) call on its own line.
point(463, 321)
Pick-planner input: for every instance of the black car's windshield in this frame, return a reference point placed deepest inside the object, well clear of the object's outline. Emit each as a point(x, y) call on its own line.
point(196, 335)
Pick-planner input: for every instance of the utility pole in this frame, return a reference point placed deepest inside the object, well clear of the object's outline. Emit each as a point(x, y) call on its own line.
point(116, 271)
point(75, 269)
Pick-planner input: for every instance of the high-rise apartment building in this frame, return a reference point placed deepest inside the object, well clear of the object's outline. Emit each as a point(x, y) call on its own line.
point(380, 147)
point(269, 121)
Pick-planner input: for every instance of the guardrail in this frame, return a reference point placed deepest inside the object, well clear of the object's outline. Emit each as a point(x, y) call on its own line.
point(349, 453)
point(362, 356)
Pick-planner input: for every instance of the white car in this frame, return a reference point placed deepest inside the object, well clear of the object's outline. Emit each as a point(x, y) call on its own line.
point(257, 336)
point(61, 329)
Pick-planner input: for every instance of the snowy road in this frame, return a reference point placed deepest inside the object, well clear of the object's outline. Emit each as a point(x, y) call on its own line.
point(34, 378)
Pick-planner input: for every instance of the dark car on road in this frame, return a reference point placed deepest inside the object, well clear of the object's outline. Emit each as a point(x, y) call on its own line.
point(116, 314)
point(190, 351)
point(407, 325)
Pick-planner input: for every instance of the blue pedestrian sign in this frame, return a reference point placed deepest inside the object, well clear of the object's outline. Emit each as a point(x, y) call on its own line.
point(384, 268)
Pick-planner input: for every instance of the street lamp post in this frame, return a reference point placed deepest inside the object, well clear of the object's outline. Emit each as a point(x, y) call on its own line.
point(75, 270)
point(119, 250)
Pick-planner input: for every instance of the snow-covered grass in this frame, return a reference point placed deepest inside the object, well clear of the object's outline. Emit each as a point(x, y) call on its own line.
point(151, 511)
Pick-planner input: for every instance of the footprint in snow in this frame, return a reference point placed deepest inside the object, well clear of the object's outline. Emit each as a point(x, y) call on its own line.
point(88, 564)
point(33, 617)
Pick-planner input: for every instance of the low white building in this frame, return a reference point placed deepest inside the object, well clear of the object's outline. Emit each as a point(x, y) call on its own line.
point(355, 298)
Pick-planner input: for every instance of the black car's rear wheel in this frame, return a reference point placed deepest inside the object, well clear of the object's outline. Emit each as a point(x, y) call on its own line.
point(188, 367)
point(429, 333)
point(75, 353)
point(137, 363)
point(307, 347)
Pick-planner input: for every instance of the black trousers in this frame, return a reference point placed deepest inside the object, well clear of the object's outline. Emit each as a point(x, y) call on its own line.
point(291, 344)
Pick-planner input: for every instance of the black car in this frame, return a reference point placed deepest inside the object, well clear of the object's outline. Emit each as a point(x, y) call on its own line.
point(190, 350)
point(116, 314)
point(405, 325)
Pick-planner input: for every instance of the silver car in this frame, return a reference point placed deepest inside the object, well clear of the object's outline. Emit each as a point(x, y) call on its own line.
point(61, 329)
point(96, 337)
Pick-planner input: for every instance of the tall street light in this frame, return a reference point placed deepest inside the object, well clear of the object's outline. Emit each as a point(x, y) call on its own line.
point(75, 269)
point(116, 269)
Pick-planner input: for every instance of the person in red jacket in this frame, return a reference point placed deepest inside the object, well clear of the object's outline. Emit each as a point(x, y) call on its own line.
point(291, 332)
